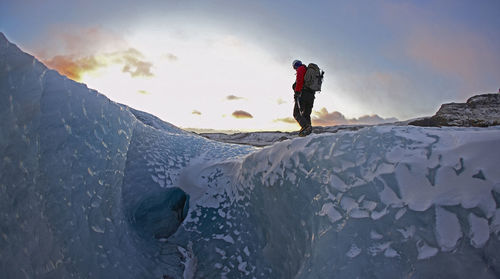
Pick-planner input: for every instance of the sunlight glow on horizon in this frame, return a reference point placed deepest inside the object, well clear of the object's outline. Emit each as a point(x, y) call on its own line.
point(180, 60)
point(198, 78)
point(206, 69)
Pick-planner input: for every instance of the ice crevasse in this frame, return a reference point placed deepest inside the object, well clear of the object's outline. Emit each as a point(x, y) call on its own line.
point(94, 189)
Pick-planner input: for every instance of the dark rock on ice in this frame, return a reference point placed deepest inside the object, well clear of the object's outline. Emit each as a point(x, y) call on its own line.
point(479, 111)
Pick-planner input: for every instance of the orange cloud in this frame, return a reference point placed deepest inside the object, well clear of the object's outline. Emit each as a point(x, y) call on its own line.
point(72, 67)
point(241, 114)
point(73, 52)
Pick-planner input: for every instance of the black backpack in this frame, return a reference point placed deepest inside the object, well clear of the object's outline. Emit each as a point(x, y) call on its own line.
point(314, 77)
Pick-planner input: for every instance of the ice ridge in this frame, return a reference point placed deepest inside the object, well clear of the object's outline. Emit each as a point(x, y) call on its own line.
point(94, 189)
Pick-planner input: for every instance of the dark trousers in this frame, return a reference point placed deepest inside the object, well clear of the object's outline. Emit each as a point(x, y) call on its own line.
point(303, 108)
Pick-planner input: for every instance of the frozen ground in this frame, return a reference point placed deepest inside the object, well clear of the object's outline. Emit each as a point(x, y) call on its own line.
point(261, 139)
point(93, 189)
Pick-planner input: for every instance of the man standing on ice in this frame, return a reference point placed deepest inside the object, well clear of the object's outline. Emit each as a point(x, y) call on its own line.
point(304, 100)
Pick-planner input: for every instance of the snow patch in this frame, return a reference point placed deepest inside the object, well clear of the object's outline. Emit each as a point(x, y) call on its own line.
point(479, 230)
point(448, 230)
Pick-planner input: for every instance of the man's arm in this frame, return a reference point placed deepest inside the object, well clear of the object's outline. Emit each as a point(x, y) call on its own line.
point(299, 82)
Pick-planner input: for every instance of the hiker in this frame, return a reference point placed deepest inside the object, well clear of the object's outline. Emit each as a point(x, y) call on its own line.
point(304, 100)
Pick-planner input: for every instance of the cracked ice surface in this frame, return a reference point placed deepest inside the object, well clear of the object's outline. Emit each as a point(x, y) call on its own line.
point(93, 189)
point(85, 183)
point(333, 203)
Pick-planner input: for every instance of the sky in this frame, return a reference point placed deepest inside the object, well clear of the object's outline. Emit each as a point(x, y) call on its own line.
point(226, 65)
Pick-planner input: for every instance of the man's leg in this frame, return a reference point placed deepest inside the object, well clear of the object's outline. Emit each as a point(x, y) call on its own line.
point(298, 115)
point(307, 113)
point(307, 110)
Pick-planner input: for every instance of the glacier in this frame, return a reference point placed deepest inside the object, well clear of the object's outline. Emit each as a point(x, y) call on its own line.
point(94, 189)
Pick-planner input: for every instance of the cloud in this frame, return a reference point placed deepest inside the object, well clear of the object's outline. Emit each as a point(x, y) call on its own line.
point(138, 68)
point(325, 118)
point(280, 101)
point(288, 120)
point(92, 39)
point(375, 119)
point(171, 57)
point(133, 63)
point(241, 114)
point(195, 112)
point(233, 98)
point(81, 42)
point(73, 67)
point(74, 52)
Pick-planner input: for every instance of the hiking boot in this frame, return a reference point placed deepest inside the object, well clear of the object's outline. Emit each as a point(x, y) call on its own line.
point(305, 131)
point(308, 130)
point(301, 131)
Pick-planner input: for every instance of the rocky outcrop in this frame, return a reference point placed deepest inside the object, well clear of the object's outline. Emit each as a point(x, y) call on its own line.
point(479, 111)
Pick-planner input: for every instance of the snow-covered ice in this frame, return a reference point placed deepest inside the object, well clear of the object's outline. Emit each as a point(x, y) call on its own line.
point(94, 189)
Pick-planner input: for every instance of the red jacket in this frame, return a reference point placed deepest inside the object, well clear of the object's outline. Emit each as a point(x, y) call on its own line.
point(299, 82)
